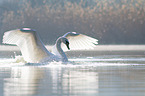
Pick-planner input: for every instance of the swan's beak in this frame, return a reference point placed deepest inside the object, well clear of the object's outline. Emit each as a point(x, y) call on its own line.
point(67, 44)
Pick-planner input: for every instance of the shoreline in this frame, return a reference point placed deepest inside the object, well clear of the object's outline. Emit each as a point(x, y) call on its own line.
point(98, 48)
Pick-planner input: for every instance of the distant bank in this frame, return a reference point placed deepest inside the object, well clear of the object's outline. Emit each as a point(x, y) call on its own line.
point(98, 48)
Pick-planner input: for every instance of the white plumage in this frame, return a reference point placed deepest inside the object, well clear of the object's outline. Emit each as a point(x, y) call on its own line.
point(34, 51)
point(80, 41)
point(77, 42)
point(31, 47)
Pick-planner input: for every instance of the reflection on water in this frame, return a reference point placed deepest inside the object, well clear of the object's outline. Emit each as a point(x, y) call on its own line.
point(99, 76)
point(50, 81)
point(22, 81)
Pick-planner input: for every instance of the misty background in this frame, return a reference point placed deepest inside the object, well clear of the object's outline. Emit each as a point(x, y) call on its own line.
point(110, 21)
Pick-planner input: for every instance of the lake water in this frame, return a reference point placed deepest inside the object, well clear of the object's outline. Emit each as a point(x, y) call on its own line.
point(100, 75)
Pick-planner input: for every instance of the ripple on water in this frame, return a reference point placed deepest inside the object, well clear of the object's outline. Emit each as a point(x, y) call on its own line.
point(78, 62)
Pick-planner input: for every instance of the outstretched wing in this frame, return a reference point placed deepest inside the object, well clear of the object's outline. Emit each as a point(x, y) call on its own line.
point(79, 41)
point(15, 37)
point(31, 47)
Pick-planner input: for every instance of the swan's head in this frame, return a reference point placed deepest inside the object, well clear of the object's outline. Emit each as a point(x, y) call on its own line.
point(65, 41)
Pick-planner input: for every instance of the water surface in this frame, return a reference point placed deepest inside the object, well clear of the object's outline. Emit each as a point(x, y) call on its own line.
point(102, 75)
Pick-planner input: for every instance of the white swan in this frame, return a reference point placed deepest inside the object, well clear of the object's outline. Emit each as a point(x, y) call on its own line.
point(34, 51)
point(76, 42)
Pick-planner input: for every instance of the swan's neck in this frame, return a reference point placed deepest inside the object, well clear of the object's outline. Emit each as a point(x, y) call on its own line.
point(61, 52)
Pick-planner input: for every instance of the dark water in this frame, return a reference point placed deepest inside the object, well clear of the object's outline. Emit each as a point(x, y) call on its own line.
point(102, 75)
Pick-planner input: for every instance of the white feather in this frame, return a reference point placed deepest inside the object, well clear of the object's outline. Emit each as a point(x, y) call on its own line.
point(31, 47)
point(34, 51)
point(79, 41)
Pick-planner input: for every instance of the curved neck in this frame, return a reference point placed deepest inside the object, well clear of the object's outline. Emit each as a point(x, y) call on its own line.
point(59, 49)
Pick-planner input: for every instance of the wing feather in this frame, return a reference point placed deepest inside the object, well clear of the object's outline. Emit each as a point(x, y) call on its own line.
point(10, 37)
point(79, 41)
point(32, 49)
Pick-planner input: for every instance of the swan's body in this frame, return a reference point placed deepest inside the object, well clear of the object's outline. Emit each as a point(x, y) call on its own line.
point(34, 51)
point(32, 48)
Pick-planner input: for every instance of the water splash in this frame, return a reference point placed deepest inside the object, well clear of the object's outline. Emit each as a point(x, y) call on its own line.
point(18, 61)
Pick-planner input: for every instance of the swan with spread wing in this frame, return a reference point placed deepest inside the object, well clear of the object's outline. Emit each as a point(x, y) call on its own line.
point(34, 51)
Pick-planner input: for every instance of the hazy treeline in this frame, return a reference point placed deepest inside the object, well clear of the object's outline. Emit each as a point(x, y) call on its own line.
point(110, 21)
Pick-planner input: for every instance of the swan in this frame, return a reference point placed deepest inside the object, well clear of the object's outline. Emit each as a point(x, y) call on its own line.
point(77, 42)
point(34, 51)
